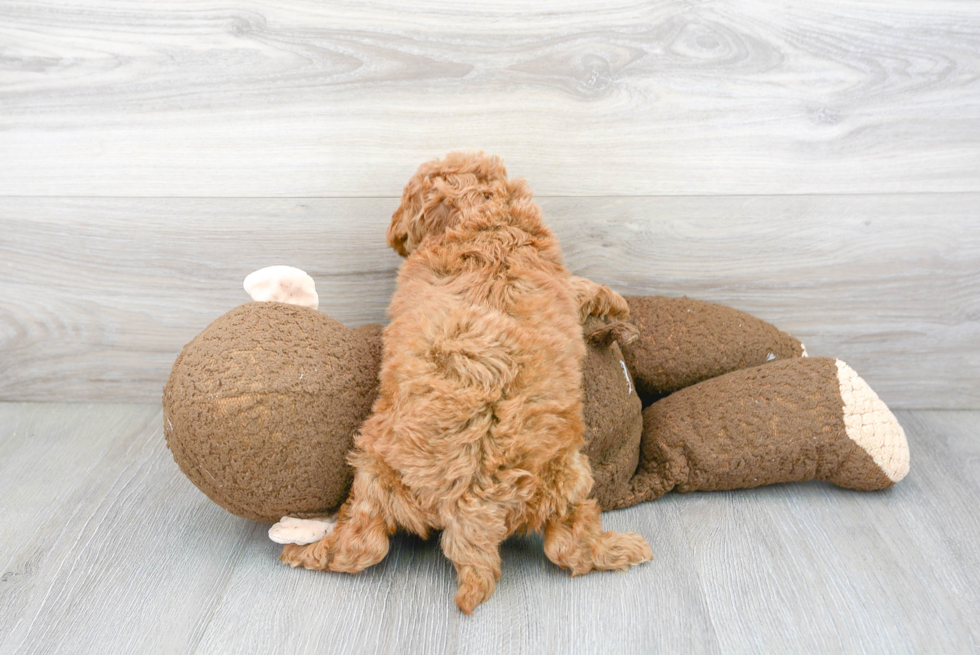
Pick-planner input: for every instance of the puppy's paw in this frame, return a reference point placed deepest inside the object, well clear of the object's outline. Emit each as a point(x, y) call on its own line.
point(292, 554)
point(616, 306)
point(315, 556)
point(619, 550)
point(598, 300)
point(475, 587)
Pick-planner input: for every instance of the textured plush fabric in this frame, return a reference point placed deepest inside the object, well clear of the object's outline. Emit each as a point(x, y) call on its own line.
point(261, 408)
point(780, 422)
point(613, 419)
point(684, 341)
point(871, 425)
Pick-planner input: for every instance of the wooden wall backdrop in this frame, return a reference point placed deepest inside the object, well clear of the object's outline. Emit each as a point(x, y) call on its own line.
point(816, 164)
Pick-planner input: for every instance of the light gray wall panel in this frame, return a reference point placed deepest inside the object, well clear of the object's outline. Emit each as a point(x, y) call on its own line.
point(97, 296)
point(345, 99)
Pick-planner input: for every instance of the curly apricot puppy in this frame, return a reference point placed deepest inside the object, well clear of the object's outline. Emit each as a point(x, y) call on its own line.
point(478, 426)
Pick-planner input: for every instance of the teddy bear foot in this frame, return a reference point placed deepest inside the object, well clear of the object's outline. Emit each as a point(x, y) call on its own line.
point(875, 430)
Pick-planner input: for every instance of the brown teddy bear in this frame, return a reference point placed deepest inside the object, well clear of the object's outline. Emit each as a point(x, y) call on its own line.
point(261, 408)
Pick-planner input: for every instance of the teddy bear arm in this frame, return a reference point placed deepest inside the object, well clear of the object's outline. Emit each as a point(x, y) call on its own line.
point(683, 341)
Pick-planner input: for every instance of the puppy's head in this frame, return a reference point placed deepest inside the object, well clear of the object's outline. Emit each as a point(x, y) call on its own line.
point(439, 192)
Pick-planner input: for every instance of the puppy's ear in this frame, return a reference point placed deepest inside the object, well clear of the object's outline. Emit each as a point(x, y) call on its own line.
point(424, 212)
point(397, 234)
point(400, 232)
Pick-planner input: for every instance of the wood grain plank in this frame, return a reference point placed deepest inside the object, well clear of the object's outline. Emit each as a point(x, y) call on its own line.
point(46, 454)
point(890, 284)
point(129, 557)
point(301, 98)
point(405, 604)
point(941, 519)
point(97, 296)
point(104, 570)
point(137, 558)
point(823, 569)
point(90, 284)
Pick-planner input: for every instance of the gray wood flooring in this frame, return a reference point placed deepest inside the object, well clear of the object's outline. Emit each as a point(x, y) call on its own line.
point(106, 548)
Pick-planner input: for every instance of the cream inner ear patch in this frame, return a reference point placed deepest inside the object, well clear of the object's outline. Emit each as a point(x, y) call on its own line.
point(282, 284)
point(871, 425)
point(290, 530)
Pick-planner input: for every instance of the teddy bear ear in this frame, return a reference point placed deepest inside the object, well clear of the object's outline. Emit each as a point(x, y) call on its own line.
point(293, 530)
point(282, 284)
point(621, 332)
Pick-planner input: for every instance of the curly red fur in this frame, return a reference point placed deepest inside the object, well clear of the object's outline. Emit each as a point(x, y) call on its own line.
point(478, 427)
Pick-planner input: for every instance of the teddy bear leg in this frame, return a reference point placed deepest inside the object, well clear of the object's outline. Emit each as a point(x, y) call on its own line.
point(787, 421)
point(471, 540)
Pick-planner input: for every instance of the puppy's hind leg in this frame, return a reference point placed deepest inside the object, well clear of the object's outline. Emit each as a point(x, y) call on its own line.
point(360, 538)
point(472, 541)
point(576, 542)
point(573, 538)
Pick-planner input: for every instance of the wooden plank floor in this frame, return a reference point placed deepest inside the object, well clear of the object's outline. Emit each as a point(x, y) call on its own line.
point(106, 548)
